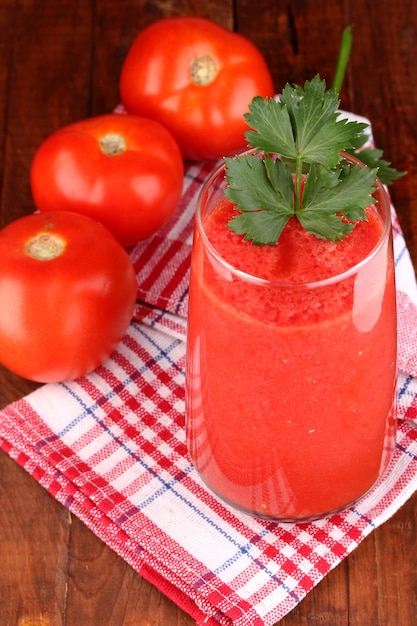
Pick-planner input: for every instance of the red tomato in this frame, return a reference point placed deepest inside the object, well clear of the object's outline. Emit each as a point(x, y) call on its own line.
point(125, 171)
point(197, 79)
point(67, 293)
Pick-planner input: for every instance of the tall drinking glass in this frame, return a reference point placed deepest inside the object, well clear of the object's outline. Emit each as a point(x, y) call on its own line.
point(290, 384)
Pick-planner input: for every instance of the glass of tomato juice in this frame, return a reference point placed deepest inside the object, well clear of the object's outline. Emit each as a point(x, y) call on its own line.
point(291, 362)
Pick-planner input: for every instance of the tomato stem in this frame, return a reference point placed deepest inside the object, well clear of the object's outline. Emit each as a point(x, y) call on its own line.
point(112, 144)
point(44, 247)
point(203, 70)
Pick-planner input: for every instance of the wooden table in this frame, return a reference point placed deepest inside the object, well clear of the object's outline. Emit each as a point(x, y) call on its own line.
point(59, 62)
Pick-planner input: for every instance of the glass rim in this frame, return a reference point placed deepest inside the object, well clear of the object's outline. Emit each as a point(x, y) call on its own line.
point(380, 190)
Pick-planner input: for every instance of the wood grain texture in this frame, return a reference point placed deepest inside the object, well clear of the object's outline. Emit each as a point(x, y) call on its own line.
point(60, 62)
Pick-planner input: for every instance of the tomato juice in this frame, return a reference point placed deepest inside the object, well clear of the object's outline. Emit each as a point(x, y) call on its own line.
point(291, 363)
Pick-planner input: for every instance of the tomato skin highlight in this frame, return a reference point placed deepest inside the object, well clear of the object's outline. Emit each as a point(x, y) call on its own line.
point(62, 317)
point(158, 81)
point(132, 190)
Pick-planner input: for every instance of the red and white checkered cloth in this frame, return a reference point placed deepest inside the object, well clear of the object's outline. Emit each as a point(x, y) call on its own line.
point(111, 447)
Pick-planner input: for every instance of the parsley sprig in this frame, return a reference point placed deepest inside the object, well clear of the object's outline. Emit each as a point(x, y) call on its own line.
point(299, 169)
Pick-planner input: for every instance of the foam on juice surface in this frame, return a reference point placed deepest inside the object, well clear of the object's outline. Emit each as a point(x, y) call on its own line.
point(298, 256)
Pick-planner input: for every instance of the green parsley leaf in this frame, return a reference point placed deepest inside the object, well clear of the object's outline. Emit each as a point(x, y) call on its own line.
point(348, 188)
point(266, 204)
point(372, 158)
point(302, 125)
point(273, 131)
point(318, 134)
point(299, 169)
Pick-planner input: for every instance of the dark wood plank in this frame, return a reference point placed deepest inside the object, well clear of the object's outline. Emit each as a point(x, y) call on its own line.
point(33, 539)
point(7, 13)
point(296, 44)
point(49, 87)
point(382, 79)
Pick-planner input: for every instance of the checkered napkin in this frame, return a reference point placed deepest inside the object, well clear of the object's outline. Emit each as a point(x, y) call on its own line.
point(111, 447)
